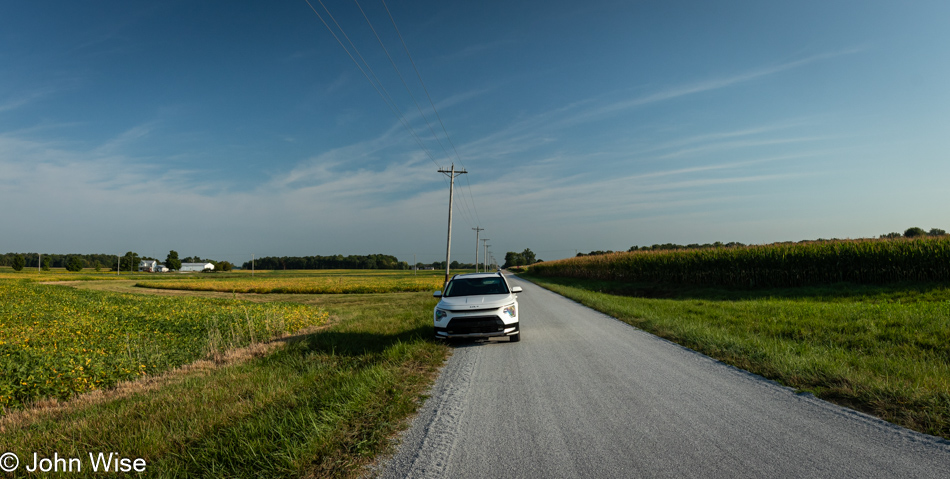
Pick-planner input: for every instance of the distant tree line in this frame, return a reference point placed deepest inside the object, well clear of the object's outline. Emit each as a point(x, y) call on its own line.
point(453, 265)
point(77, 262)
point(370, 261)
point(914, 232)
point(667, 247)
point(31, 260)
point(523, 258)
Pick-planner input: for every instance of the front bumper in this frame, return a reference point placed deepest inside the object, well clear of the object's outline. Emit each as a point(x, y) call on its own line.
point(476, 327)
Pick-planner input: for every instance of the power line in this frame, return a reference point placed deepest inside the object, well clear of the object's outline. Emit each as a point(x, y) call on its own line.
point(389, 102)
point(416, 103)
point(402, 79)
point(431, 103)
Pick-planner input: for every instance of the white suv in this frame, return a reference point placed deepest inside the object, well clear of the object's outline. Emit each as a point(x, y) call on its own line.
point(479, 305)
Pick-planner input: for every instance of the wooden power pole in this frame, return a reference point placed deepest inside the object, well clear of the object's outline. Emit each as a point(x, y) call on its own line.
point(448, 245)
point(477, 229)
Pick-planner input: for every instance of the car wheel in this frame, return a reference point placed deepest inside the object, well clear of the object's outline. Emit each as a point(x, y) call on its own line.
point(515, 337)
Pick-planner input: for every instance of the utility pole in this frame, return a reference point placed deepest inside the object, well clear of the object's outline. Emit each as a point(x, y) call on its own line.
point(477, 229)
point(485, 243)
point(448, 245)
point(252, 265)
point(39, 260)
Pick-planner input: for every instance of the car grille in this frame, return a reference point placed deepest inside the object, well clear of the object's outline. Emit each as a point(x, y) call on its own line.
point(475, 324)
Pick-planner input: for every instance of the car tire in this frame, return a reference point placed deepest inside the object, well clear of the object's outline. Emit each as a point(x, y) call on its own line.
point(515, 337)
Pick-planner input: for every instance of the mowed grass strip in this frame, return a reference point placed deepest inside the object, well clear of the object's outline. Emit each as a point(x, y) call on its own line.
point(329, 282)
point(60, 274)
point(884, 350)
point(321, 406)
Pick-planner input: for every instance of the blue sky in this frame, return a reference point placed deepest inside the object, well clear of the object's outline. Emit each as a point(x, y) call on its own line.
point(225, 129)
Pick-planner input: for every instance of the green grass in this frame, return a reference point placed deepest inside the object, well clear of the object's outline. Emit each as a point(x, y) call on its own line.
point(323, 405)
point(884, 350)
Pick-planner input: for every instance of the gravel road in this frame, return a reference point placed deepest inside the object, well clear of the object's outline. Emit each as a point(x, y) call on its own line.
point(584, 395)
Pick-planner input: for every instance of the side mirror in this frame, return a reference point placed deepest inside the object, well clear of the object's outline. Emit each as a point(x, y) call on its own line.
point(437, 294)
point(516, 289)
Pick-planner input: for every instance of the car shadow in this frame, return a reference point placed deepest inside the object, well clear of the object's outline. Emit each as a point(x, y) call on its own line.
point(360, 343)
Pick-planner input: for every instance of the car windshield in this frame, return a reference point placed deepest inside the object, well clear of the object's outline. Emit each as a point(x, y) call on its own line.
point(476, 287)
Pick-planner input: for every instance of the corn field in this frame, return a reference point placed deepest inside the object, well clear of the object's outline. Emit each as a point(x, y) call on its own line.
point(775, 265)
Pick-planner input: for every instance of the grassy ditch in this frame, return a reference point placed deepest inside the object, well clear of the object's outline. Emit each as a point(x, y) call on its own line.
point(323, 404)
point(884, 350)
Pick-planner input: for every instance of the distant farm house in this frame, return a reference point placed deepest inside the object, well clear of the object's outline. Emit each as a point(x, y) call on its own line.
point(151, 266)
point(185, 267)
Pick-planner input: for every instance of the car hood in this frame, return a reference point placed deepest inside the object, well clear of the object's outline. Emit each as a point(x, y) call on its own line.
point(466, 303)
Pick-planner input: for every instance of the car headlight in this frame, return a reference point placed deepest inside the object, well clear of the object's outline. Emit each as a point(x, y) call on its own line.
point(439, 314)
point(510, 310)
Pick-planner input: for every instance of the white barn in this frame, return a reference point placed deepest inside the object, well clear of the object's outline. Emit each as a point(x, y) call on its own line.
point(186, 267)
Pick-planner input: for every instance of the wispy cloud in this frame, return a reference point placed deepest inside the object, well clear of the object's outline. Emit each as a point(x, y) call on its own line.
point(300, 55)
point(475, 49)
point(113, 35)
point(461, 97)
point(123, 200)
point(387, 181)
point(677, 91)
point(603, 105)
point(542, 130)
point(125, 138)
point(587, 206)
point(719, 166)
point(723, 135)
point(24, 98)
point(736, 145)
